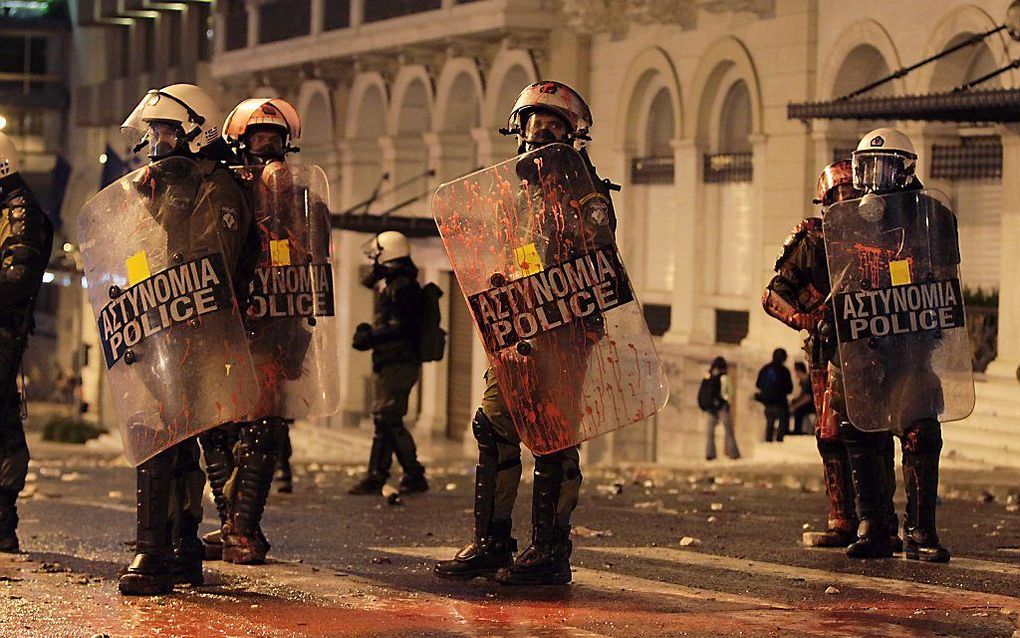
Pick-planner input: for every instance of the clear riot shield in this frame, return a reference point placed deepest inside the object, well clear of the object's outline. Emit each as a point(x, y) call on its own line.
point(154, 249)
point(894, 264)
point(532, 246)
point(290, 317)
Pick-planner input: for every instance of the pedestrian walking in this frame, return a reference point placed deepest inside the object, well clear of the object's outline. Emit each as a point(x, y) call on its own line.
point(714, 400)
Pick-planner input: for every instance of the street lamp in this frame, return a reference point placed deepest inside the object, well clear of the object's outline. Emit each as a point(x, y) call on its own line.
point(3, 122)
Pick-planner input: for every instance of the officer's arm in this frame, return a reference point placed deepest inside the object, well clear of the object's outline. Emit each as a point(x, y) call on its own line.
point(26, 252)
point(780, 299)
point(405, 315)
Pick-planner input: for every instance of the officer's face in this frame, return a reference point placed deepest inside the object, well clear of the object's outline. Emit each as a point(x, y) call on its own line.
point(544, 128)
point(163, 139)
point(266, 145)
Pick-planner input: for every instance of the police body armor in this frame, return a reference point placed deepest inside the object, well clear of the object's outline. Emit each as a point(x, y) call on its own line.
point(159, 248)
point(894, 265)
point(532, 245)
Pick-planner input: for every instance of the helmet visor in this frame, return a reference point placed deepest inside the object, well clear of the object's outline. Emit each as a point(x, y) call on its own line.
point(372, 248)
point(881, 172)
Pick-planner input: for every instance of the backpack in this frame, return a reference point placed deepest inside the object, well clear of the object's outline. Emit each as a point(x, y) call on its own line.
point(710, 393)
point(432, 340)
point(770, 389)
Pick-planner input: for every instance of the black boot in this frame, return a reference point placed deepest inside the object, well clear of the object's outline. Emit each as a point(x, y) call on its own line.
point(406, 451)
point(864, 452)
point(379, 461)
point(841, 529)
point(9, 522)
point(218, 450)
point(492, 547)
point(149, 572)
point(243, 540)
point(921, 449)
point(547, 560)
point(889, 483)
point(284, 478)
point(189, 551)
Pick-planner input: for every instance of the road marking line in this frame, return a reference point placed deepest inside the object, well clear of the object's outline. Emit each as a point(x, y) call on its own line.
point(970, 564)
point(600, 579)
point(903, 588)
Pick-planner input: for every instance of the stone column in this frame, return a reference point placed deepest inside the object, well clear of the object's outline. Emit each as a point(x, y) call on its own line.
point(253, 25)
point(318, 13)
point(687, 321)
point(1005, 364)
point(357, 13)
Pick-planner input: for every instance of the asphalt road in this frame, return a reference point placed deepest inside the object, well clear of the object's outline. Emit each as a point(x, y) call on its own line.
point(356, 566)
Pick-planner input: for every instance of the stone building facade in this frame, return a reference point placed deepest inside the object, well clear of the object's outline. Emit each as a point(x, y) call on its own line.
point(690, 106)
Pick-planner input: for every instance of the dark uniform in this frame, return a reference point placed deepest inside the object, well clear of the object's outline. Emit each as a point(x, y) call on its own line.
point(202, 206)
point(393, 338)
point(498, 474)
point(916, 392)
point(26, 238)
point(801, 286)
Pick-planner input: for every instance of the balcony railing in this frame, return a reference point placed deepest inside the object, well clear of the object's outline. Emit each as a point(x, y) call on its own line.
point(728, 167)
point(651, 170)
point(972, 158)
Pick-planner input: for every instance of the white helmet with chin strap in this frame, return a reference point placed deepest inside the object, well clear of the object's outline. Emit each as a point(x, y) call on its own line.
point(9, 160)
point(884, 161)
point(185, 106)
point(253, 113)
point(387, 246)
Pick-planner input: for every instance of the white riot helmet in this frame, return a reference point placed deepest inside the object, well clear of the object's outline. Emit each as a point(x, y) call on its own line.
point(553, 97)
point(180, 116)
point(884, 161)
point(387, 246)
point(9, 161)
point(259, 114)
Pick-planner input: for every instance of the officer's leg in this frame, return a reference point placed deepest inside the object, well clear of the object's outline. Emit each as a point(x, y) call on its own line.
point(380, 458)
point(149, 572)
point(888, 453)
point(922, 444)
point(218, 450)
point(497, 477)
point(186, 513)
point(557, 486)
point(404, 377)
point(257, 448)
point(867, 467)
point(841, 529)
point(284, 478)
point(13, 469)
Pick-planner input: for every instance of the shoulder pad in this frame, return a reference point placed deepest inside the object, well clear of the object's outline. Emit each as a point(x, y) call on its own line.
point(805, 227)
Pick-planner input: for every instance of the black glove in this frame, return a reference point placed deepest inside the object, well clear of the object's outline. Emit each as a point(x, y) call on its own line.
point(363, 337)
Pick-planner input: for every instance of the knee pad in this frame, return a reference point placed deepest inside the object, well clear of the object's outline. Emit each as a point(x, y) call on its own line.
point(830, 447)
point(923, 437)
point(484, 433)
point(262, 435)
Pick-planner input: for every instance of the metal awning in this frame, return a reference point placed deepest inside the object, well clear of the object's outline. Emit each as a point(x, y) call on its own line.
point(999, 105)
point(412, 227)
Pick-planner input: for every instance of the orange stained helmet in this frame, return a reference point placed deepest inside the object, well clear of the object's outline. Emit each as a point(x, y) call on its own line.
point(833, 176)
point(266, 111)
point(555, 97)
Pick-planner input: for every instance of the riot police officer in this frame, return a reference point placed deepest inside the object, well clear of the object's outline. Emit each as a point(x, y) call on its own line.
point(393, 338)
point(545, 112)
point(883, 169)
point(202, 201)
point(798, 296)
point(26, 238)
point(241, 457)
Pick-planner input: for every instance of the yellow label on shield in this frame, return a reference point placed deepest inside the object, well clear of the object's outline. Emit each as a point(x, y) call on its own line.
point(279, 252)
point(526, 260)
point(137, 268)
point(899, 272)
